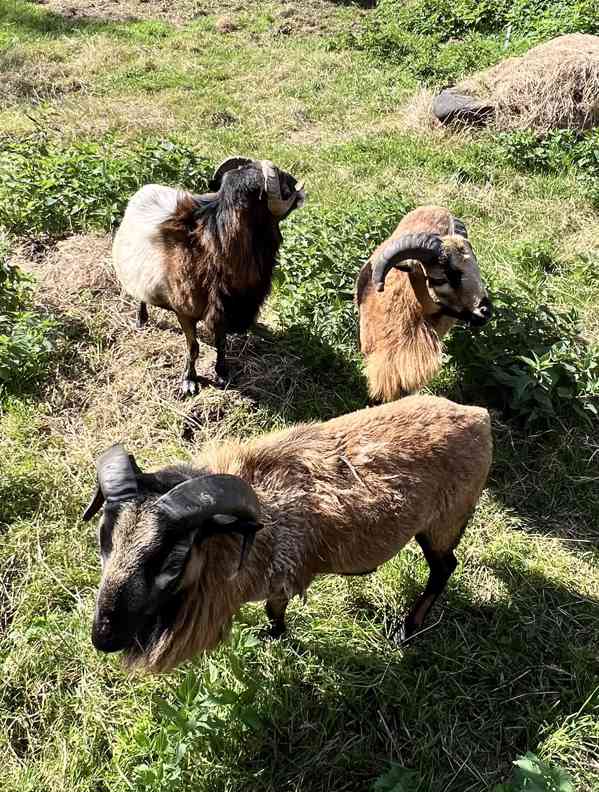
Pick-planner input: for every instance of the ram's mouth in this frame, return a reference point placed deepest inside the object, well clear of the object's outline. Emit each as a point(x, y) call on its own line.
point(476, 320)
point(152, 632)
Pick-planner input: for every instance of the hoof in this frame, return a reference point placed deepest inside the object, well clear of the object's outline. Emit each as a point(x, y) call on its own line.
point(189, 387)
point(273, 632)
point(219, 381)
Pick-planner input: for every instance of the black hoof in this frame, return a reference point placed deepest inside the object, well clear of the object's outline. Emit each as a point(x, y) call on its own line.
point(189, 387)
point(273, 632)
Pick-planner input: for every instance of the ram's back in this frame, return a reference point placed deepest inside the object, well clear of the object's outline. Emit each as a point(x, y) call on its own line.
point(360, 486)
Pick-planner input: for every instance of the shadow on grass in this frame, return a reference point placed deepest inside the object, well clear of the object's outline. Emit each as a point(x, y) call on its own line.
point(545, 462)
point(292, 374)
point(458, 705)
point(298, 376)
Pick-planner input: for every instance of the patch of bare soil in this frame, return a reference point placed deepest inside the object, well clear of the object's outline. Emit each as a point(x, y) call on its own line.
point(24, 78)
point(291, 16)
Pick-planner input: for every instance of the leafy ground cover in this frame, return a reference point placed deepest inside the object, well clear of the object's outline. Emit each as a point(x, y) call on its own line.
point(97, 98)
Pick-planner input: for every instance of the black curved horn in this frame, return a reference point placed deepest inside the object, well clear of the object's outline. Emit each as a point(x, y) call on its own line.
point(226, 165)
point(426, 248)
point(198, 500)
point(459, 228)
point(117, 482)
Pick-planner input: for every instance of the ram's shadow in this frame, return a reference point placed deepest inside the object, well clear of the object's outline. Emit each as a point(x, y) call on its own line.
point(544, 469)
point(458, 705)
point(292, 374)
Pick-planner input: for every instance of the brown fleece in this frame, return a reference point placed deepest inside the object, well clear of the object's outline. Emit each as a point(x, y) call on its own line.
point(336, 497)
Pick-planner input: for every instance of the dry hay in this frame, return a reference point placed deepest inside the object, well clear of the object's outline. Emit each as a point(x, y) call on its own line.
point(111, 382)
point(70, 268)
point(554, 86)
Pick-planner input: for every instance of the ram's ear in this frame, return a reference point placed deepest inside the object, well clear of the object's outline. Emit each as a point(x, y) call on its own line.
point(95, 504)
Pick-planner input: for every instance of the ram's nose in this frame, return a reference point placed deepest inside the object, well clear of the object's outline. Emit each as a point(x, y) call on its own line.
point(483, 312)
point(104, 636)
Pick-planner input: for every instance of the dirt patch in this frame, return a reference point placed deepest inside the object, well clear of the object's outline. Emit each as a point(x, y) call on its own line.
point(24, 78)
point(293, 16)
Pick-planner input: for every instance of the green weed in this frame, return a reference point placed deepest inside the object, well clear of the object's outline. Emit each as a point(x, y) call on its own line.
point(46, 188)
point(25, 345)
point(531, 361)
point(439, 41)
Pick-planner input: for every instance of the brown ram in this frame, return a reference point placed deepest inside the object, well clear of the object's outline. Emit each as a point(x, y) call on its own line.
point(410, 293)
point(338, 497)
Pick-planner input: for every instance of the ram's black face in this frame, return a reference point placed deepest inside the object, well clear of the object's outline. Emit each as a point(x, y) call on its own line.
point(143, 566)
point(246, 182)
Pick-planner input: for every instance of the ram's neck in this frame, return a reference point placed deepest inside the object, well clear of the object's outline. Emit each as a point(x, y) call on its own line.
point(401, 343)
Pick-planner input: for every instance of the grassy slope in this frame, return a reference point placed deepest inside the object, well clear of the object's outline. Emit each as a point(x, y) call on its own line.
point(513, 664)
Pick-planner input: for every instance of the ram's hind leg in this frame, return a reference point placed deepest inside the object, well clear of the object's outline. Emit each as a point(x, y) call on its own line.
point(275, 610)
point(441, 564)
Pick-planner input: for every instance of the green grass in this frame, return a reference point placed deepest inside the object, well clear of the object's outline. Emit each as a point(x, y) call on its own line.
point(92, 108)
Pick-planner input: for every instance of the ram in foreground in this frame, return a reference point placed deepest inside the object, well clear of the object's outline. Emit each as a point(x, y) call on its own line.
point(338, 497)
point(410, 293)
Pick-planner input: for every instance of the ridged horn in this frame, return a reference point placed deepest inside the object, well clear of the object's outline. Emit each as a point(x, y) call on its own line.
point(426, 248)
point(278, 206)
point(116, 480)
point(200, 499)
point(226, 165)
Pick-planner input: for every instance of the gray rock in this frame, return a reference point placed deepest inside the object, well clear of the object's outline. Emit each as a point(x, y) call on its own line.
point(452, 105)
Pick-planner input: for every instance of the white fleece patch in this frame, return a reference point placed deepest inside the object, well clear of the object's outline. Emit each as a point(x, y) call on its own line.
point(137, 252)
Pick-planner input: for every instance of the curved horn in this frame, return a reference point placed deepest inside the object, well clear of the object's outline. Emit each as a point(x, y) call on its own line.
point(271, 179)
point(426, 248)
point(117, 481)
point(278, 206)
point(226, 165)
point(199, 499)
point(458, 227)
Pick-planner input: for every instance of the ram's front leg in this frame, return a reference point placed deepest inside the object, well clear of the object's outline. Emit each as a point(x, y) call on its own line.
point(189, 384)
point(275, 610)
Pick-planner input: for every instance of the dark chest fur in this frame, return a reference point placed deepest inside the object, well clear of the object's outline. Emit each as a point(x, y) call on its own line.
point(221, 260)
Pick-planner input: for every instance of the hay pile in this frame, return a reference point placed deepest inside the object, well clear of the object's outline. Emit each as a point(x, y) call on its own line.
point(554, 86)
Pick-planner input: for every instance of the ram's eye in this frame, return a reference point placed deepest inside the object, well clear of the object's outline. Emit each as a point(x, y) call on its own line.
point(437, 281)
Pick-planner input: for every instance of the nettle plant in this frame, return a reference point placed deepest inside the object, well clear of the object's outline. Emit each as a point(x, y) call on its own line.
point(320, 258)
point(531, 361)
point(25, 344)
point(49, 188)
